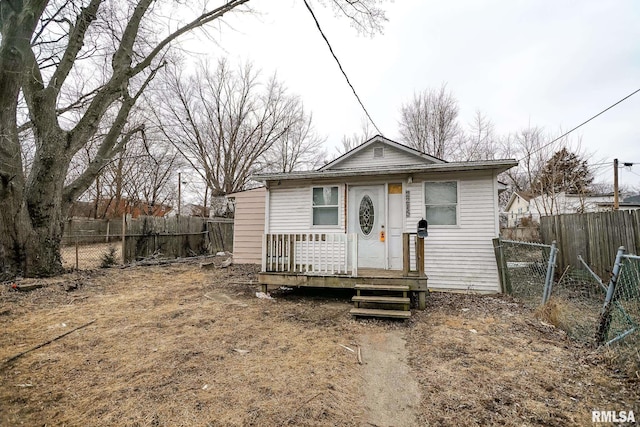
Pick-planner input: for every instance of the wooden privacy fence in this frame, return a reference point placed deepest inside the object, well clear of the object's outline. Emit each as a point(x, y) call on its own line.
point(220, 234)
point(595, 236)
point(175, 237)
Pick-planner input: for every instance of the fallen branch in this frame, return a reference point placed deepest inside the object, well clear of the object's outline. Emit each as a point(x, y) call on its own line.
point(565, 272)
point(347, 348)
point(12, 358)
point(359, 355)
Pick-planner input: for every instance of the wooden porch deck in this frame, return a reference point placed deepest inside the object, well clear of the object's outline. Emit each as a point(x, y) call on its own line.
point(366, 276)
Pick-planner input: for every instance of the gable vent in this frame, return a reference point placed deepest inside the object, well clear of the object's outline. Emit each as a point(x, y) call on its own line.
point(378, 152)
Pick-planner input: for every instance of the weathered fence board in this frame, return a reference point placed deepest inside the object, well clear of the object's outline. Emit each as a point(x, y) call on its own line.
point(220, 234)
point(595, 236)
point(174, 237)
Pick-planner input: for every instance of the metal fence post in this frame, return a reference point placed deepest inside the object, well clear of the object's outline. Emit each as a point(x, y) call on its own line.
point(605, 315)
point(77, 255)
point(551, 266)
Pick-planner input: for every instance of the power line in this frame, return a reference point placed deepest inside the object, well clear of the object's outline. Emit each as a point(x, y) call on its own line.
point(585, 122)
point(340, 66)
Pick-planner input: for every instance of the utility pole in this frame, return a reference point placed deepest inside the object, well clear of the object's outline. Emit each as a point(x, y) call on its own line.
point(616, 203)
point(180, 188)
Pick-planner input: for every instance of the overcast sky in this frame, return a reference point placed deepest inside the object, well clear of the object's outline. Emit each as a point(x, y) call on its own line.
point(551, 64)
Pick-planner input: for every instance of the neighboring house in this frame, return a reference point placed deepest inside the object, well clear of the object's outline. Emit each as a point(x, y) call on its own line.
point(193, 209)
point(517, 208)
point(354, 221)
point(248, 225)
point(522, 205)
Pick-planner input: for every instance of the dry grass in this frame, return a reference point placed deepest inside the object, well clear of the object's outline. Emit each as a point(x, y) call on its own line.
point(161, 353)
point(488, 361)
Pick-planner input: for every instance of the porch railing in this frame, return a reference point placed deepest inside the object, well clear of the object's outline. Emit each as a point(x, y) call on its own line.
point(320, 253)
point(412, 255)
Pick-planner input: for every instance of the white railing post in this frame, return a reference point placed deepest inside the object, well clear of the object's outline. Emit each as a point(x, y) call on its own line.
point(325, 253)
point(354, 269)
point(264, 253)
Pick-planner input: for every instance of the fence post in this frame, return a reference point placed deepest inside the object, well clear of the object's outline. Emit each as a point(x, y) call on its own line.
point(505, 283)
point(551, 266)
point(77, 260)
point(605, 315)
point(420, 256)
point(124, 235)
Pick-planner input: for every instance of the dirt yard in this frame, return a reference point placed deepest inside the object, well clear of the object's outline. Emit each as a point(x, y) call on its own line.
point(177, 345)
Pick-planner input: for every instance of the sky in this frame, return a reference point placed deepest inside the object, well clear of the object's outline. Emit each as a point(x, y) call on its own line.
point(551, 64)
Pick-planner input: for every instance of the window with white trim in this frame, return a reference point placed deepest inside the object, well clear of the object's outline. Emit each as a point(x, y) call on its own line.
point(325, 205)
point(441, 202)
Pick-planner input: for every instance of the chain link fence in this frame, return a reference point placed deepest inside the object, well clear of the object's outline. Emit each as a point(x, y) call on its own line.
point(576, 299)
point(620, 319)
point(88, 252)
point(524, 270)
point(575, 302)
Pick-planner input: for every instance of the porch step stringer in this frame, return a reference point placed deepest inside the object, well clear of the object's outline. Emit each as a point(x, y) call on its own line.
point(388, 301)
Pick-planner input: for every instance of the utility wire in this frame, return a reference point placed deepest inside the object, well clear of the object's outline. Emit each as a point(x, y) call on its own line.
point(340, 66)
point(585, 122)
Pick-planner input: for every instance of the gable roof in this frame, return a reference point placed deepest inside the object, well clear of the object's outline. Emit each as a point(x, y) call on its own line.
point(425, 158)
point(522, 194)
point(497, 165)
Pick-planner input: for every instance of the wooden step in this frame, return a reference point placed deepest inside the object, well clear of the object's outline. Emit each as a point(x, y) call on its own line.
point(381, 299)
point(370, 312)
point(395, 288)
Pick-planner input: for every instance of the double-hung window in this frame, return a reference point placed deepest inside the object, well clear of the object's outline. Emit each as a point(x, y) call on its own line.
point(325, 205)
point(441, 202)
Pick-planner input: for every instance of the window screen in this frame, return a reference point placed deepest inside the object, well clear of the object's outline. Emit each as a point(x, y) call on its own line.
point(325, 205)
point(441, 202)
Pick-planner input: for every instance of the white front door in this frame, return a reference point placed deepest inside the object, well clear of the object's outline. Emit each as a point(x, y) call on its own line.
point(367, 219)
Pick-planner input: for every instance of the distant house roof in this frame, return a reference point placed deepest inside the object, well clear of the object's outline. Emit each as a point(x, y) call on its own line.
point(379, 138)
point(522, 194)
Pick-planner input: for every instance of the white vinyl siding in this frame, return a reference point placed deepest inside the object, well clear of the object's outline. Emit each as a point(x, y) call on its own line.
point(291, 211)
point(461, 258)
point(391, 157)
point(248, 226)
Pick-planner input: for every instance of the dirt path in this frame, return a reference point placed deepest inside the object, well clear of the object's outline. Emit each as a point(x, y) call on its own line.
point(391, 393)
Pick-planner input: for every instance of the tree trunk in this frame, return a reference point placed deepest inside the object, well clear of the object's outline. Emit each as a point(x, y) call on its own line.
point(32, 216)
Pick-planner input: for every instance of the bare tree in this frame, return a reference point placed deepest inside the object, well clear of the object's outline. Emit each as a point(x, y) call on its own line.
point(479, 142)
point(348, 143)
point(140, 175)
point(547, 170)
point(429, 122)
point(299, 148)
point(116, 47)
point(225, 121)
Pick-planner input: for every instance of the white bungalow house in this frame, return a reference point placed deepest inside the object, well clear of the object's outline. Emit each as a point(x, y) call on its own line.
point(353, 222)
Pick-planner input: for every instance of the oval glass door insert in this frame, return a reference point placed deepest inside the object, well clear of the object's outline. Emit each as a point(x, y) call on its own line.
point(366, 215)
